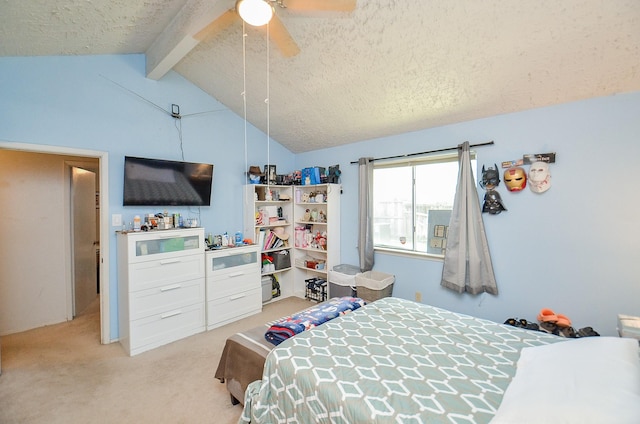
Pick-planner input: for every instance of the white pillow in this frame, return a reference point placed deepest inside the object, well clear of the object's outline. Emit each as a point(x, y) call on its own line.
point(586, 380)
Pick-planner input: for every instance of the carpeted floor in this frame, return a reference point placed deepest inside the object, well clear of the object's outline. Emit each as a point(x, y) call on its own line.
point(62, 374)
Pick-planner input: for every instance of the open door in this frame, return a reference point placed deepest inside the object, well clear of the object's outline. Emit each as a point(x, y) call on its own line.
point(84, 243)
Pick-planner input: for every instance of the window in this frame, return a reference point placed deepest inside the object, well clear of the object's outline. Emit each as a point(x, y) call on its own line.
point(412, 203)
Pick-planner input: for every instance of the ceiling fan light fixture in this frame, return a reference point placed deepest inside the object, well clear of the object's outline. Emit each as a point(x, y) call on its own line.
point(254, 12)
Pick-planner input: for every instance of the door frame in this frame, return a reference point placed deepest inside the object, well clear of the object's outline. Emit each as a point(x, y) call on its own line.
point(103, 166)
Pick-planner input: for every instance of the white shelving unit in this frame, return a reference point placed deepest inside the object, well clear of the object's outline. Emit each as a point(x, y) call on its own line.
point(316, 234)
point(269, 208)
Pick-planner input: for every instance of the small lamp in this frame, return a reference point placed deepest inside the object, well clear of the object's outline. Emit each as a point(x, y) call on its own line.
point(254, 12)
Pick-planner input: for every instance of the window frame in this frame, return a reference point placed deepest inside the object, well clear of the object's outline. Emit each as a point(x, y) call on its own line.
point(413, 162)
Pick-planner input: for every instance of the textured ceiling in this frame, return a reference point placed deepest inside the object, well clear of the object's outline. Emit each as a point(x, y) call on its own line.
point(389, 67)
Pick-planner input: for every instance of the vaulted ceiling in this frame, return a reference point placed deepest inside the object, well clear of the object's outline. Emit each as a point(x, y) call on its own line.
point(387, 67)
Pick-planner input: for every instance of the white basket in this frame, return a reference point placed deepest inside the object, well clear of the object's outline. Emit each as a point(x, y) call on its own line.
point(374, 285)
point(374, 280)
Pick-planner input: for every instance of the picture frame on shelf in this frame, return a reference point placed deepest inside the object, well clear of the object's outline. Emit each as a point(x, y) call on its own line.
point(270, 174)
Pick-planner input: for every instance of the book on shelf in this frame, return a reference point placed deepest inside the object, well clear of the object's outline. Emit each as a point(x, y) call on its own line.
point(270, 240)
point(261, 237)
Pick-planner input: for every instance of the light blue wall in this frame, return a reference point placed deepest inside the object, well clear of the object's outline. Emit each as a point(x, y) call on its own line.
point(573, 249)
point(74, 102)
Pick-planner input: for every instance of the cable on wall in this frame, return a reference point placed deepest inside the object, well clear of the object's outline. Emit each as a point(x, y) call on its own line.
point(244, 91)
point(178, 125)
point(268, 176)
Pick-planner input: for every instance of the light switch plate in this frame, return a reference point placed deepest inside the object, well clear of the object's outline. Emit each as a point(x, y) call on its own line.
point(116, 220)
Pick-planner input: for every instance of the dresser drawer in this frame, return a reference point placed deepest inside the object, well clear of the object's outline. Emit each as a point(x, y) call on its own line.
point(156, 330)
point(163, 244)
point(165, 298)
point(157, 273)
point(235, 258)
point(230, 308)
point(232, 282)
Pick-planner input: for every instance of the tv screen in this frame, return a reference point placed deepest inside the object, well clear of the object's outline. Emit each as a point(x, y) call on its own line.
point(157, 182)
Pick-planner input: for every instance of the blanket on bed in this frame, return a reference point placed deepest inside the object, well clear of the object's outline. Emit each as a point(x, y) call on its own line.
point(393, 361)
point(309, 318)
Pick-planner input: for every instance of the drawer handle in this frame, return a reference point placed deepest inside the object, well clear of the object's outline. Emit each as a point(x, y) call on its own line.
point(167, 288)
point(236, 274)
point(236, 297)
point(171, 314)
point(170, 261)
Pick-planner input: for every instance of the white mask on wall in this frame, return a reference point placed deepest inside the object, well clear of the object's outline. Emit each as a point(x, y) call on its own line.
point(539, 177)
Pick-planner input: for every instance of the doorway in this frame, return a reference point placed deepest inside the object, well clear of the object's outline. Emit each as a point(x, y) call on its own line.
point(85, 240)
point(49, 236)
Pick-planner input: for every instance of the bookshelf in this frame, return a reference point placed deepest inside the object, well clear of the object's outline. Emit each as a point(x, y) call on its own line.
point(268, 216)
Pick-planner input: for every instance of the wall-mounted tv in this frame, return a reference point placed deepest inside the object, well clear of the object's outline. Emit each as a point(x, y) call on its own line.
point(158, 182)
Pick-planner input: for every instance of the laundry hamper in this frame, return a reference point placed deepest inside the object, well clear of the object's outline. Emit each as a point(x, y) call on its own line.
point(342, 280)
point(374, 285)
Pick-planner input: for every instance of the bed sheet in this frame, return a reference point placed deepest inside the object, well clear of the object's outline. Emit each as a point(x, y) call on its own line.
point(391, 361)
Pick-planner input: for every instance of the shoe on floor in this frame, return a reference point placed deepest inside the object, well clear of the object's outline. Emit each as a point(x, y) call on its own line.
point(587, 332)
point(512, 322)
point(532, 326)
point(549, 327)
point(568, 332)
point(547, 315)
point(563, 321)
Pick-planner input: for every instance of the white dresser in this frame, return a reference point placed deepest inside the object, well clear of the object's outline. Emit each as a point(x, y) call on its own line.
point(161, 287)
point(233, 284)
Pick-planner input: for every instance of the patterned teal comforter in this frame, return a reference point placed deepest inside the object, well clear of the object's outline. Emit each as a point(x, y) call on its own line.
point(392, 361)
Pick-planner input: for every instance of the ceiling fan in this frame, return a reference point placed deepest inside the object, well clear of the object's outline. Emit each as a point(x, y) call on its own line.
point(277, 31)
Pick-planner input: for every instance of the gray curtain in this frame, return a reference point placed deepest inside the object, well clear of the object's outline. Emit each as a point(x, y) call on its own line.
point(365, 213)
point(467, 264)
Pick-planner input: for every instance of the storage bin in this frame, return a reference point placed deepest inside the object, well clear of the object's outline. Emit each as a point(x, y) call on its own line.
point(267, 293)
point(374, 285)
point(282, 259)
point(342, 280)
point(316, 289)
point(337, 290)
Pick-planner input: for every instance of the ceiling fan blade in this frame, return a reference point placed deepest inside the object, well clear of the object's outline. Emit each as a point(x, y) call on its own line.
point(216, 26)
point(279, 34)
point(323, 5)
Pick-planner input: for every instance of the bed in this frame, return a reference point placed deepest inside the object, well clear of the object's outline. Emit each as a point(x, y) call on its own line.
point(244, 353)
point(397, 361)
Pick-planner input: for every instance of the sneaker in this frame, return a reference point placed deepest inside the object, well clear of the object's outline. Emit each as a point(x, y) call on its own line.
point(568, 332)
point(512, 322)
point(549, 327)
point(587, 332)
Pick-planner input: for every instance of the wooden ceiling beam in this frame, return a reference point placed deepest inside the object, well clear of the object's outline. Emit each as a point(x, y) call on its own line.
point(178, 39)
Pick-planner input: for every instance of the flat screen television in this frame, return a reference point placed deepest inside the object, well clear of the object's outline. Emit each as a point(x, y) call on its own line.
point(158, 182)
